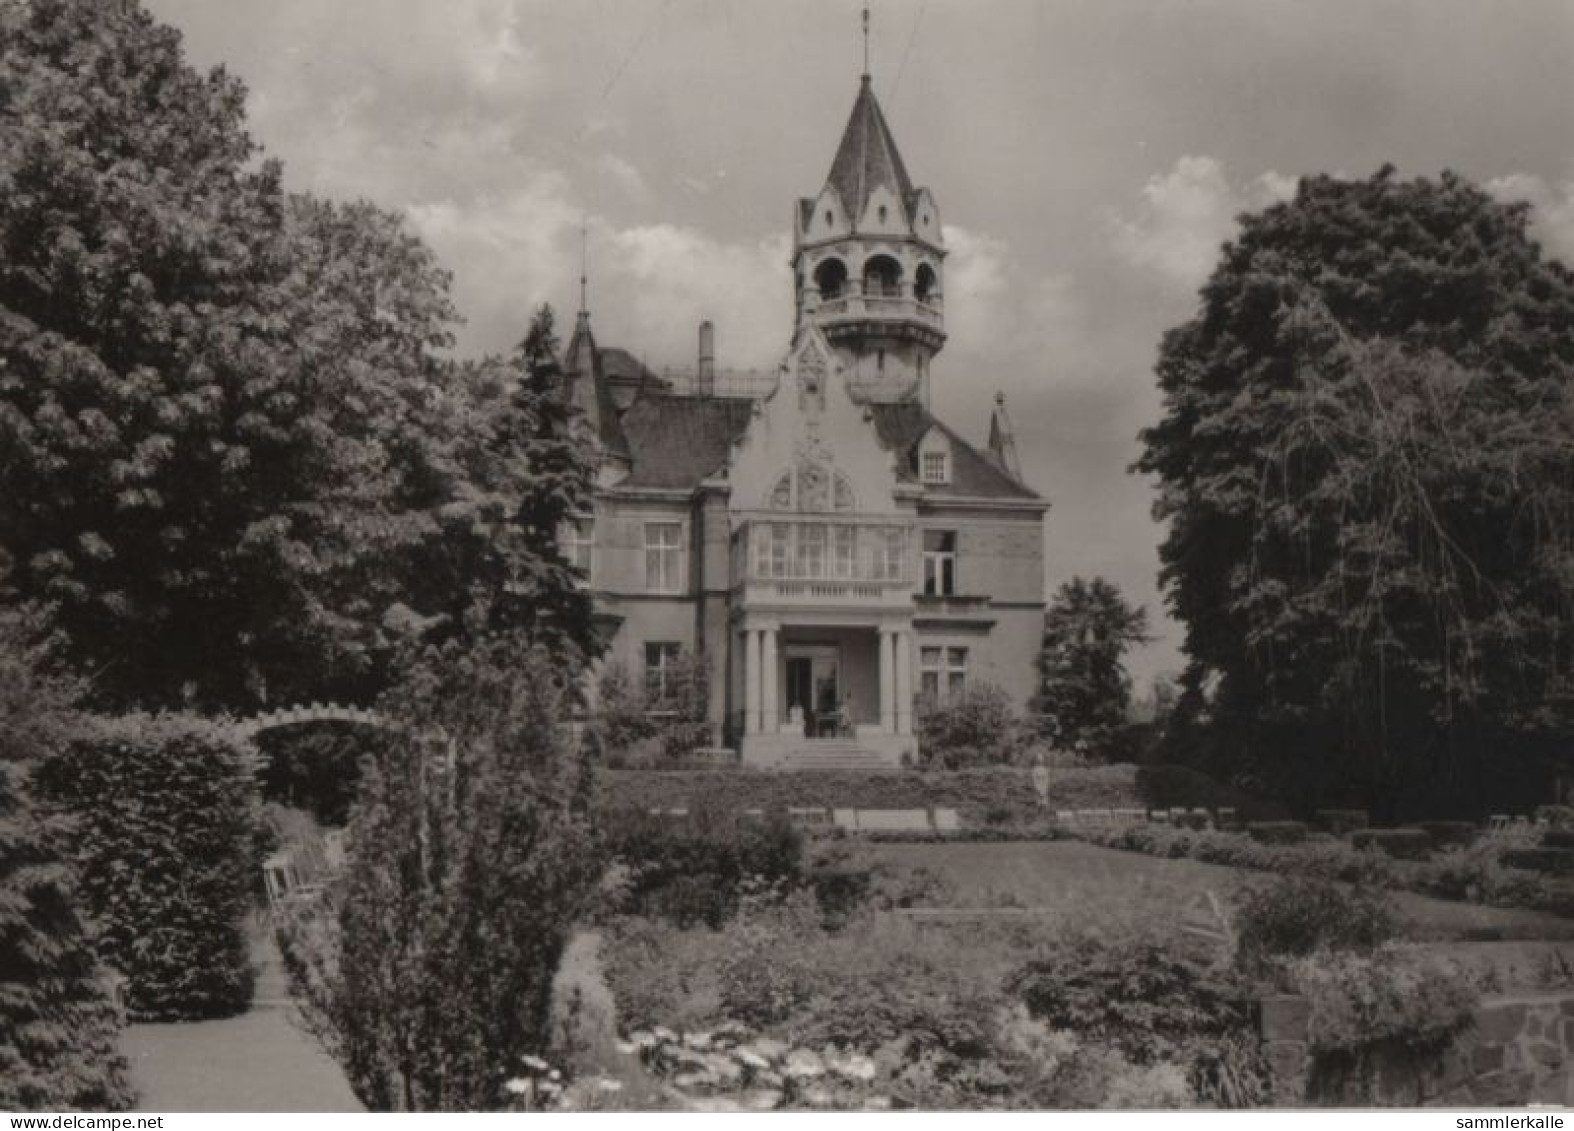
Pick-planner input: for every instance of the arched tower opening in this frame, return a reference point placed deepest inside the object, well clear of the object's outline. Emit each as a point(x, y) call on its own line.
point(882, 277)
point(830, 278)
point(926, 284)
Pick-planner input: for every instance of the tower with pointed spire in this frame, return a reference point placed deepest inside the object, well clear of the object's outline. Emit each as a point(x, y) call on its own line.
point(868, 262)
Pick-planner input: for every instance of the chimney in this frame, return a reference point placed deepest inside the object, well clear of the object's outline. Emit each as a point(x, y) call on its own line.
point(705, 384)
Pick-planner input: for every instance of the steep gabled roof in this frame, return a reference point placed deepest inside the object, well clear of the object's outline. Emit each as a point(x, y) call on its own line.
point(587, 388)
point(679, 441)
point(901, 426)
point(868, 158)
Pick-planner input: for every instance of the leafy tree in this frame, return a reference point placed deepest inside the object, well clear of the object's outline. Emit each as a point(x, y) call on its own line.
point(58, 1029)
point(471, 855)
point(1366, 469)
point(1084, 694)
point(230, 446)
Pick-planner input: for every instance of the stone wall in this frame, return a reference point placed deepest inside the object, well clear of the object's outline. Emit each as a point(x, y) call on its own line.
point(1519, 1050)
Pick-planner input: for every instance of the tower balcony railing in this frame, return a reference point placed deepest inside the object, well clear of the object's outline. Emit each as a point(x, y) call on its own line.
point(856, 306)
point(824, 559)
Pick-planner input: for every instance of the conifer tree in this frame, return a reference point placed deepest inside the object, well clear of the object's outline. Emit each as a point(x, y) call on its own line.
point(1084, 693)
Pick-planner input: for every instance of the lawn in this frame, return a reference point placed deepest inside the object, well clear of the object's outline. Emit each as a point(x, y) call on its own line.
point(1074, 883)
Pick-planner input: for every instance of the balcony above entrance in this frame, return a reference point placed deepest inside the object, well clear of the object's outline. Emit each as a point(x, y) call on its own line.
point(816, 562)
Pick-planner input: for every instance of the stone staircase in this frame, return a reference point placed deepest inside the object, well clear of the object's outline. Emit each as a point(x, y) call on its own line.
point(834, 754)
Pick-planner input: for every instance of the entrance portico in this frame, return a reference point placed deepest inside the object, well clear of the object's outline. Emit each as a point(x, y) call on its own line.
point(809, 683)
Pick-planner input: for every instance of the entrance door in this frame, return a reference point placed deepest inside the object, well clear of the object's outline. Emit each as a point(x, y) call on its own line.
point(814, 689)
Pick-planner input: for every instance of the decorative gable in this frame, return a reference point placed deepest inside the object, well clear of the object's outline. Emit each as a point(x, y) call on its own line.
point(809, 446)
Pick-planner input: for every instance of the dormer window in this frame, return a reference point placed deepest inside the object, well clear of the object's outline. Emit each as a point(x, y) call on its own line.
point(936, 468)
point(882, 213)
point(828, 220)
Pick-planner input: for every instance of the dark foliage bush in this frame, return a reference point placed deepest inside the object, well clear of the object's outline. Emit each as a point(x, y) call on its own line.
point(59, 1030)
point(1559, 816)
point(1341, 821)
point(1402, 844)
point(1277, 832)
point(1450, 834)
point(1144, 996)
point(976, 728)
point(973, 792)
point(316, 767)
point(1551, 861)
point(1558, 838)
point(1297, 916)
point(166, 817)
point(1181, 787)
point(691, 869)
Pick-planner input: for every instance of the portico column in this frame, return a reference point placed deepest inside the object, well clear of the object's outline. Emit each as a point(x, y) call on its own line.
point(887, 681)
point(904, 681)
point(770, 722)
point(751, 681)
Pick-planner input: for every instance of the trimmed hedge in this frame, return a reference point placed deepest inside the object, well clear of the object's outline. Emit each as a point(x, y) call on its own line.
point(1341, 821)
point(1004, 792)
point(1552, 861)
point(165, 812)
point(1450, 834)
point(1277, 832)
point(1402, 844)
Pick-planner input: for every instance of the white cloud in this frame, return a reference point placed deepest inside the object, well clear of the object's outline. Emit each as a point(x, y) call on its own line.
point(1185, 214)
point(1552, 209)
point(650, 285)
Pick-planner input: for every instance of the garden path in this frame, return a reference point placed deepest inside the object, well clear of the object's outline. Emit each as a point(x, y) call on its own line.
point(260, 1061)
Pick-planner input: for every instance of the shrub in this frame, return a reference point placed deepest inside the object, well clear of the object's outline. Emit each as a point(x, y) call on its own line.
point(1277, 832)
point(1341, 821)
point(690, 869)
point(621, 719)
point(1556, 837)
point(470, 859)
point(976, 728)
point(1296, 916)
point(1145, 997)
point(166, 819)
point(632, 725)
point(1402, 844)
point(1370, 1007)
point(1553, 861)
point(1450, 834)
point(1182, 787)
point(1558, 816)
point(59, 1031)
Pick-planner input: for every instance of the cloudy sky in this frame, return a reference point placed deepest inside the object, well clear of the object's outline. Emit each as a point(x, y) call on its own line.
point(1088, 156)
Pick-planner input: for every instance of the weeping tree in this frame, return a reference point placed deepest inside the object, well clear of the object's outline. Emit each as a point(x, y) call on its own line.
point(1366, 467)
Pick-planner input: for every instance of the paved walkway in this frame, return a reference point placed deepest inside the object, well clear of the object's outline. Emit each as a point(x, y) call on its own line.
point(260, 1061)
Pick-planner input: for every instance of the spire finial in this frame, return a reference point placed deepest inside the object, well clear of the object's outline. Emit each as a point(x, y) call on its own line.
point(584, 265)
point(866, 41)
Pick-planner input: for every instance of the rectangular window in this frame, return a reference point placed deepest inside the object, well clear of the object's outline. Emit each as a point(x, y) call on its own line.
point(935, 468)
point(844, 551)
point(664, 557)
point(890, 547)
point(577, 537)
point(939, 563)
point(811, 550)
point(661, 656)
point(942, 673)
